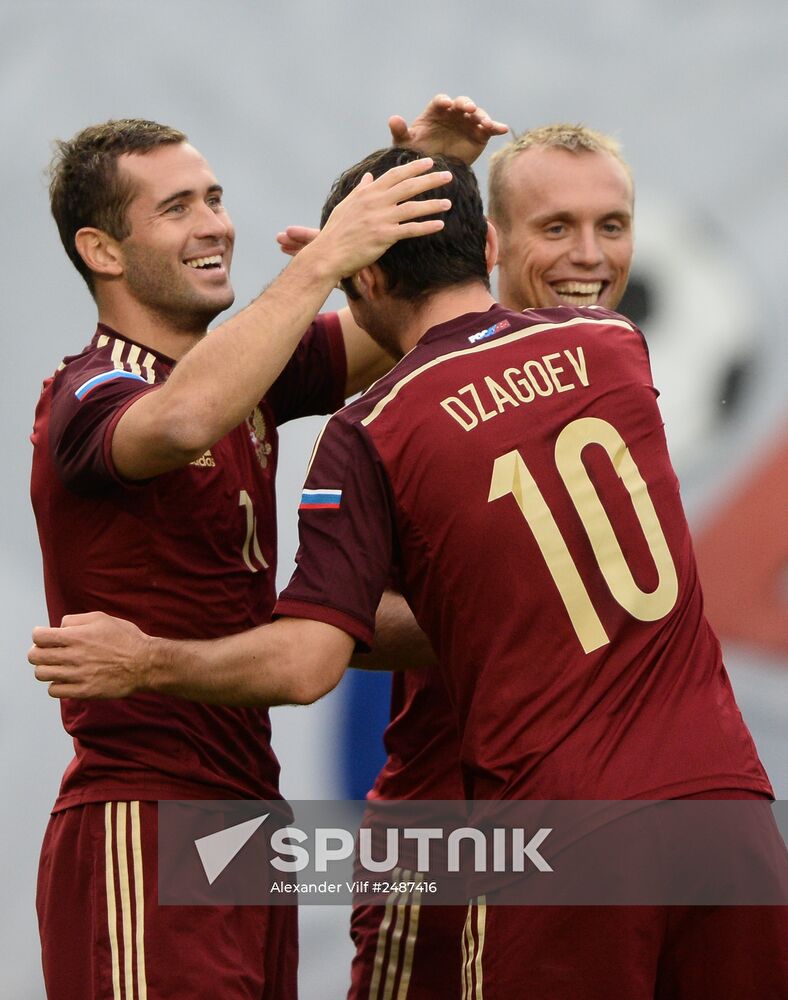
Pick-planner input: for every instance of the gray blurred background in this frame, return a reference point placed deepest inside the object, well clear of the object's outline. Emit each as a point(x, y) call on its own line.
point(282, 98)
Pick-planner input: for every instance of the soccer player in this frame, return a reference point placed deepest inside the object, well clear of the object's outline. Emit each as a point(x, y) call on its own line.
point(153, 488)
point(513, 468)
point(561, 200)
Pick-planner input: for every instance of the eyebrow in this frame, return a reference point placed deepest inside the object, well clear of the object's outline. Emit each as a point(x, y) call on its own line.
point(566, 216)
point(187, 193)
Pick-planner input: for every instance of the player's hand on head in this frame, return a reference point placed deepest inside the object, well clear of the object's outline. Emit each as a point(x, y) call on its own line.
point(451, 126)
point(378, 213)
point(295, 238)
point(90, 656)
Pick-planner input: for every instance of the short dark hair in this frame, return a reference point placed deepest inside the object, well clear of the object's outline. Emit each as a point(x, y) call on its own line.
point(86, 188)
point(419, 266)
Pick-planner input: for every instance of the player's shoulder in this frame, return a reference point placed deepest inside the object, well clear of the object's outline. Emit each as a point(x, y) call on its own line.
point(347, 427)
point(610, 331)
point(107, 358)
point(561, 315)
point(353, 414)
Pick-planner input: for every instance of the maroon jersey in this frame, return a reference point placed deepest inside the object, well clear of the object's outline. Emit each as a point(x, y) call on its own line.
point(513, 467)
point(421, 741)
point(191, 553)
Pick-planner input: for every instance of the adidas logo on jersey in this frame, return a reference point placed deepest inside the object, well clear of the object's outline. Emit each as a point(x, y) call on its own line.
point(206, 461)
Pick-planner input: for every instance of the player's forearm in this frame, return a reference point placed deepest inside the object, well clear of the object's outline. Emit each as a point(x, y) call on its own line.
point(229, 671)
point(217, 384)
point(260, 667)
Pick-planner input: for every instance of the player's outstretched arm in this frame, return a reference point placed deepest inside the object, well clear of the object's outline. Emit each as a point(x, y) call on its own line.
point(452, 126)
point(91, 656)
point(215, 385)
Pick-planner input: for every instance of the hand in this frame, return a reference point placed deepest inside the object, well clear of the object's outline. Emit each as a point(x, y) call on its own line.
point(90, 656)
point(377, 213)
point(295, 238)
point(448, 126)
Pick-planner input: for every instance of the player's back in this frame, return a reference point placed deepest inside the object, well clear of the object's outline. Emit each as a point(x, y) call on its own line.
point(545, 551)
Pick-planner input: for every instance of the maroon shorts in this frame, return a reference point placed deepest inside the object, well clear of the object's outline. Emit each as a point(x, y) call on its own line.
point(635, 952)
point(632, 952)
point(406, 949)
point(104, 936)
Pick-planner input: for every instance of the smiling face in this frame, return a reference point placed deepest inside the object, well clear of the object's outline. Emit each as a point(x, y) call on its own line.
point(567, 238)
point(176, 259)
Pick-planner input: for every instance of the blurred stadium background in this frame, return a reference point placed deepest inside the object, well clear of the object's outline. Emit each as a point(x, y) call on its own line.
point(280, 100)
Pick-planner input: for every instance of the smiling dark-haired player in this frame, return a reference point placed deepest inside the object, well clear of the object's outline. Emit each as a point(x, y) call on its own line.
point(153, 487)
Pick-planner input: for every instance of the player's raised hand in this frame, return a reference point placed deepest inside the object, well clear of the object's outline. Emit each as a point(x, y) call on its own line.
point(90, 656)
point(450, 126)
point(378, 213)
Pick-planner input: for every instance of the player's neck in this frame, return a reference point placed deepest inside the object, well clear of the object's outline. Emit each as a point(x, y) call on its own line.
point(138, 323)
point(442, 307)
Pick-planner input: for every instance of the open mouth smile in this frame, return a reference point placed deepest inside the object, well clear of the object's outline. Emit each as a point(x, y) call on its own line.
point(205, 263)
point(579, 293)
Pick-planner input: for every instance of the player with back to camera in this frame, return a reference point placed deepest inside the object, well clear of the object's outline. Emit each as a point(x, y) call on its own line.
point(430, 470)
point(561, 201)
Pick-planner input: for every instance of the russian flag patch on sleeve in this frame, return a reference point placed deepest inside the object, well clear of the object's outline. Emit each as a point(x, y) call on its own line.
point(320, 500)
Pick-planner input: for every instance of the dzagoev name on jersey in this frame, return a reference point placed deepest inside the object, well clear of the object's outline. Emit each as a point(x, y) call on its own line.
point(483, 400)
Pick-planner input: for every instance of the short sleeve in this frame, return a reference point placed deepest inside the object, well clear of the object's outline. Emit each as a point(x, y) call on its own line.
point(346, 535)
point(86, 407)
point(313, 381)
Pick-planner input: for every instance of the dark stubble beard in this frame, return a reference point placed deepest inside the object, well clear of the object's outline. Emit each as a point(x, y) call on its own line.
point(166, 293)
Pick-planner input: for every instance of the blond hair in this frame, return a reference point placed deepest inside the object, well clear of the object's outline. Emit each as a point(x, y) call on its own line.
point(574, 138)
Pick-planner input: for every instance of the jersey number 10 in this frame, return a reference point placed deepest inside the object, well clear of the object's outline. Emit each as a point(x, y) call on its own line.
point(511, 475)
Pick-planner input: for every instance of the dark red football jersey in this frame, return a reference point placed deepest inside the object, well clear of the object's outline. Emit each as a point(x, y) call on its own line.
point(188, 554)
point(421, 741)
point(513, 467)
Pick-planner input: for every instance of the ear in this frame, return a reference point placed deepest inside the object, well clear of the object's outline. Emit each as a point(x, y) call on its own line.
point(100, 251)
point(491, 247)
point(369, 282)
